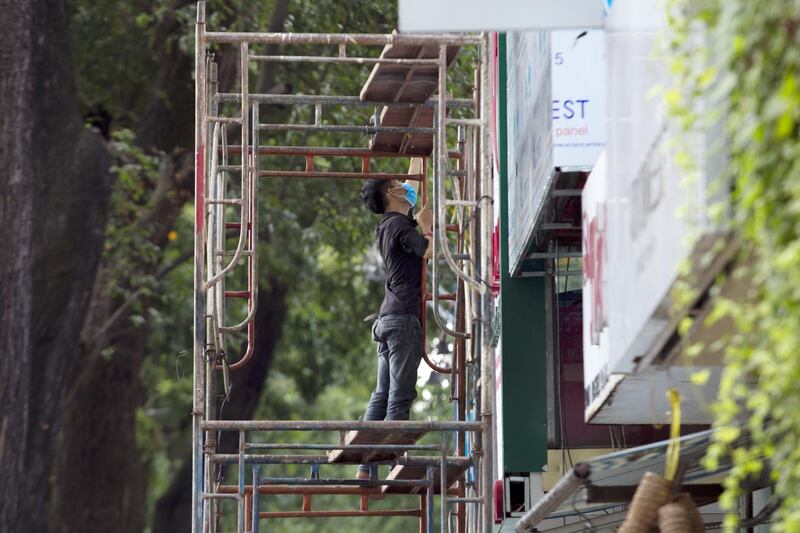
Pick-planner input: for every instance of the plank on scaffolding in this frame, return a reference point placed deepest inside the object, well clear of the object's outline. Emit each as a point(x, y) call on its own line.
point(354, 438)
point(455, 469)
point(403, 83)
point(419, 144)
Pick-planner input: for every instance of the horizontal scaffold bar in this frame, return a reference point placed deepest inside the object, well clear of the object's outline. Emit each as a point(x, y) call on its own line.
point(231, 458)
point(364, 447)
point(336, 128)
point(307, 489)
point(406, 426)
point(326, 99)
point(346, 175)
point(323, 151)
point(219, 496)
point(370, 39)
point(315, 482)
point(345, 60)
point(341, 514)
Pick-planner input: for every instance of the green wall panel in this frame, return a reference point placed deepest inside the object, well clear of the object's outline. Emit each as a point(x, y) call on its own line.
point(522, 309)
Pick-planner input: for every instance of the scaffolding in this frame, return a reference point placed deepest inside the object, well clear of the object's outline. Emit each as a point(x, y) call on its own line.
point(412, 118)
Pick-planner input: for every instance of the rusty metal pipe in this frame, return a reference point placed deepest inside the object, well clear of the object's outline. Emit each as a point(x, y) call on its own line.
point(354, 513)
point(344, 490)
point(198, 373)
point(336, 128)
point(341, 175)
point(403, 426)
point(326, 151)
point(245, 175)
point(344, 60)
point(360, 447)
point(424, 287)
point(328, 99)
point(368, 39)
point(251, 230)
point(276, 459)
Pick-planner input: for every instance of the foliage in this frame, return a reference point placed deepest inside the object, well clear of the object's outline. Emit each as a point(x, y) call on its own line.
point(128, 250)
point(324, 364)
point(113, 41)
point(743, 58)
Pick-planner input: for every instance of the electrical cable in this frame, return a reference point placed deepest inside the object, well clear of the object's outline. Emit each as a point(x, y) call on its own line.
point(557, 352)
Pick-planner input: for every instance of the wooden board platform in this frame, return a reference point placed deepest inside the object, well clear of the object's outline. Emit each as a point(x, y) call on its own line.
point(354, 438)
point(403, 83)
point(420, 144)
point(455, 469)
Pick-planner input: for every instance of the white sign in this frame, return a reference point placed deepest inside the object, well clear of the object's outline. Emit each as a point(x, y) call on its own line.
point(579, 97)
point(633, 236)
point(530, 143)
point(556, 119)
point(597, 298)
point(498, 15)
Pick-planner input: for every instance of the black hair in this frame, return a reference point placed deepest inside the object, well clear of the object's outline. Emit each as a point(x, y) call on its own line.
point(373, 194)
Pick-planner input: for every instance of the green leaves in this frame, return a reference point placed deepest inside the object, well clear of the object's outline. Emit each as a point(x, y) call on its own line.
point(747, 69)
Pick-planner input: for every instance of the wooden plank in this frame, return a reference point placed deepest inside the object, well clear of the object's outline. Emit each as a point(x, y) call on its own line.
point(402, 83)
point(354, 438)
point(455, 469)
point(420, 144)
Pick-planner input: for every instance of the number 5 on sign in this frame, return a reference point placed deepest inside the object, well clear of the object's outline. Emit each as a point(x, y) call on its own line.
point(559, 58)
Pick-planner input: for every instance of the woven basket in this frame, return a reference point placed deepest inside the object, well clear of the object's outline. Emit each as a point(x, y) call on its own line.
point(653, 492)
point(685, 500)
point(673, 518)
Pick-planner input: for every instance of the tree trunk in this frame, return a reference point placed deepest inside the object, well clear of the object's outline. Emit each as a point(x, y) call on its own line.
point(100, 480)
point(52, 216)
point(173, 510)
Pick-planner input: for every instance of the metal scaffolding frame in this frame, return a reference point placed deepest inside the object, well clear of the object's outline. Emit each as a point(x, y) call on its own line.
point(461, 240)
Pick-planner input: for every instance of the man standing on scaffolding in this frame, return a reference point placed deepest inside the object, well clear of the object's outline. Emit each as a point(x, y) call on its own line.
point(397, 329)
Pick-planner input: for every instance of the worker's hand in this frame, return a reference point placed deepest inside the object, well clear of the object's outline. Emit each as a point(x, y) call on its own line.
point(425, 219)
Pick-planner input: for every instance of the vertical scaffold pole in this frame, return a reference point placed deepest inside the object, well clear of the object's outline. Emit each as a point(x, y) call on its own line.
point(200, 137)
point(429, 503)
point(209, 437)
point(487, 352)
point(441, 170)
point(443, 482)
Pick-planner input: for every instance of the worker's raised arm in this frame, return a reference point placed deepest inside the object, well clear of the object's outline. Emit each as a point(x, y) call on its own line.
point(414, 168)
point(425, 220)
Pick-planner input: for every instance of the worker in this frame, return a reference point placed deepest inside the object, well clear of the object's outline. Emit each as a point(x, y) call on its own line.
point(397, 329)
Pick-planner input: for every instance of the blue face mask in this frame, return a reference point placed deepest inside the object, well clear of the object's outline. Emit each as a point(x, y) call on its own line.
point(411, 194)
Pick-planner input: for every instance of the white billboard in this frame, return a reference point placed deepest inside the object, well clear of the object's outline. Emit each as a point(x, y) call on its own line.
point(633, 236)
point(556, 119)
point(578, 97)
point(498, 15)
point(530, 143)
point(597, 295)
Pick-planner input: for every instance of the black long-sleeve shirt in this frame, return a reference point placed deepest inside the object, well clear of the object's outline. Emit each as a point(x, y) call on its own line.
point(401, 248)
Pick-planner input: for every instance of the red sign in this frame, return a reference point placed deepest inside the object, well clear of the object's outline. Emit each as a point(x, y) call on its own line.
point(595, 252)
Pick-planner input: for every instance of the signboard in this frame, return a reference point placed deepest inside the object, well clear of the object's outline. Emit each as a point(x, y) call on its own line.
point(530, 144)
point(633, 237)
point(597, 298)
point(498, 15)
point(578, 97)
point(556, 109)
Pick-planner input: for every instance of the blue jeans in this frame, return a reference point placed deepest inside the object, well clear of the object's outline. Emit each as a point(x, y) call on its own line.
point(399, 339)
